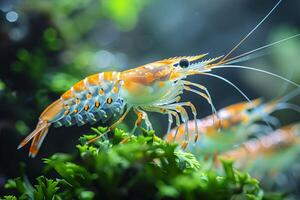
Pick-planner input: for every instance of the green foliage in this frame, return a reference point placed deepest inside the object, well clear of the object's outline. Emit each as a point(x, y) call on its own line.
point(139, 167)
point(123, 12)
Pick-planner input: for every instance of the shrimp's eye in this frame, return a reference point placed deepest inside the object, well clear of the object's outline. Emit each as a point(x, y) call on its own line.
point(184, 63)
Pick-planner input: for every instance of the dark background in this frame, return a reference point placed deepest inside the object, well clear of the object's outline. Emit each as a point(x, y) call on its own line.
point(46, 46)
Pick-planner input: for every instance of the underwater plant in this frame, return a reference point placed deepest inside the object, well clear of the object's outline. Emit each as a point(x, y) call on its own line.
point(134, 167)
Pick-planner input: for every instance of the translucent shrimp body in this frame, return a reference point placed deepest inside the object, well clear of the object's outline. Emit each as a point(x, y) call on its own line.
point(153, 87)
point(146, 84)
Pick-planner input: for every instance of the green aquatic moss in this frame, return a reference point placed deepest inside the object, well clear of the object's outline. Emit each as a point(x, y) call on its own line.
point(121, 165)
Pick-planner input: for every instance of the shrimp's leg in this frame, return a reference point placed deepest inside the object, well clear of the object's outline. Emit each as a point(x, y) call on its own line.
point(178, 112)
point(147, 121)
point(138, 121)
point(163, 110)
point(142, 115)
point(170, 122)
point(194, 112)
point(178, 107)
point(177, 120)
point(207, 96)
point(112, 126)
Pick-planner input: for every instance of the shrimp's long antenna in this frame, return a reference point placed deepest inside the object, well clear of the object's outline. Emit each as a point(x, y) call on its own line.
point(290, 95)
point(230, 83)
point(241, 41)
point(291, 106)
point(258, 70)
point(243, 57)
point(237, 88)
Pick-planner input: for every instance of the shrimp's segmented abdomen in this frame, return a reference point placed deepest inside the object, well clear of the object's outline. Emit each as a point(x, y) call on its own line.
point(90, 100)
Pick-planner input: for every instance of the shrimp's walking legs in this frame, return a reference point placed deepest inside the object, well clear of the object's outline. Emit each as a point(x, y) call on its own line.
point(170, 122)
point(171, 113)
point(141, 116)
point(175, 114)
point(147, 121)
point(194, 112)
point(205, 95)
point(178, 107)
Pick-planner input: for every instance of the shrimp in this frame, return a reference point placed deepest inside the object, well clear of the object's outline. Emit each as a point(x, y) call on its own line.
point(217, 132)
point(227, 117)
point(153, 87)
point(285, 137)
point(231, 116)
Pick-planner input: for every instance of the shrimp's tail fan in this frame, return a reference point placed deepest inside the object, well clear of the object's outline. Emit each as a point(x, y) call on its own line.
point(37, 136)
point(51, 114)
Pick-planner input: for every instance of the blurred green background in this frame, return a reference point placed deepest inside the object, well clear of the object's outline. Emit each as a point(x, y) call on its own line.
point(46, 46)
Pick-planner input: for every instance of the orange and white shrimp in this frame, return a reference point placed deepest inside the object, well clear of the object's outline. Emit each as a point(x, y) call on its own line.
point(226, 117)
point(244, 113)
point(285, 137)
point(154, 87)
